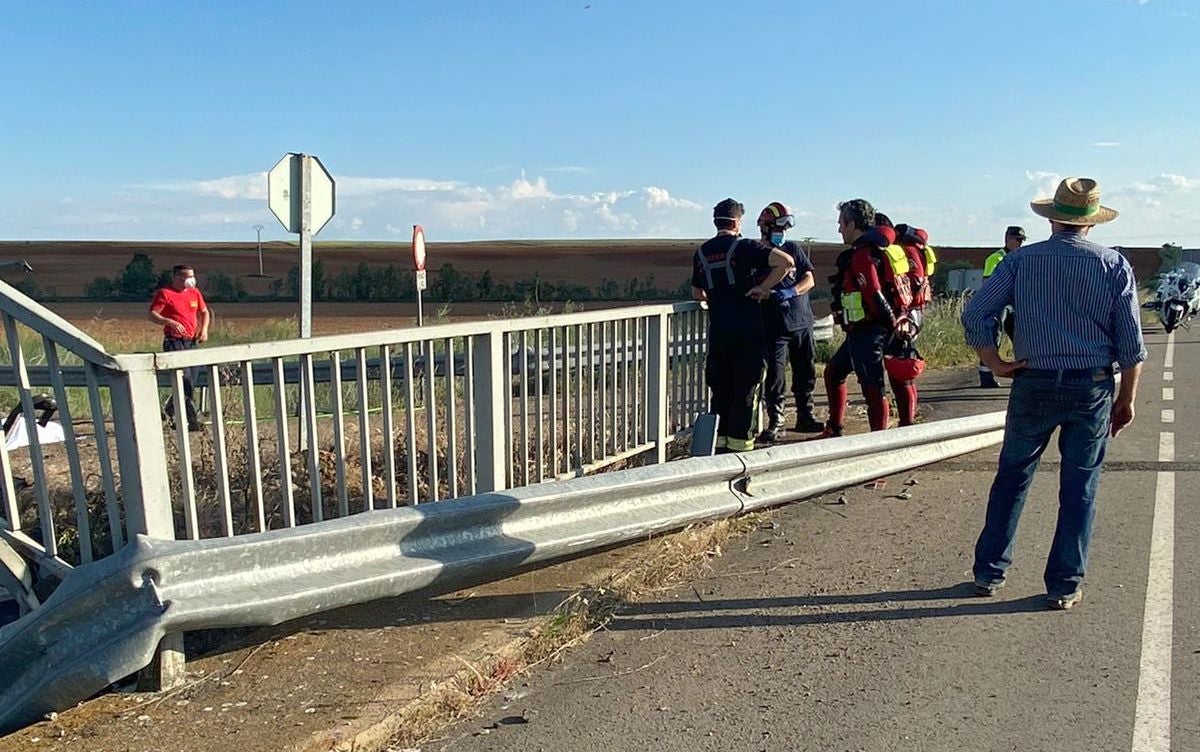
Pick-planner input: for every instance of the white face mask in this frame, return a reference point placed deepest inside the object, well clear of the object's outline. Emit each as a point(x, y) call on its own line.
point(189, 282)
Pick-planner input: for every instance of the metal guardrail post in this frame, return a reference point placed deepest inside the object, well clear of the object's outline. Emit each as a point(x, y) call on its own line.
point(491, 365)
point(658, 395)
point(145, 485)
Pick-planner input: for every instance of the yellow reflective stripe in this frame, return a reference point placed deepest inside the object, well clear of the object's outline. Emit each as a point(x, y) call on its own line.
point(740, 445)
point(930, 260)
point(722, 442)
point(989, 266)
point(852, 307)
point(897, 258)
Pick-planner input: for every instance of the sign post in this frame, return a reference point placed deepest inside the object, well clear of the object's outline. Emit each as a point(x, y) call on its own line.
point(422, 280)
point(300, 192)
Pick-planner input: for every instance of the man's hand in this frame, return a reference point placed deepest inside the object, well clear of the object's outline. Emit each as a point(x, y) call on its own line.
point(1122, 415)
point(1001, 367)
point(202, 336)
point(758, 292)
point(178, 328)
point(906, 328)
point(1007, 368)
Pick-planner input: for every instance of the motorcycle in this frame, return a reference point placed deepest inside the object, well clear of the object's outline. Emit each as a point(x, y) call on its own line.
point(1177, 298)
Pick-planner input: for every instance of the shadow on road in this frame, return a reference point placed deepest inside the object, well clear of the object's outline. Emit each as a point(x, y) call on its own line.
point(672, 614)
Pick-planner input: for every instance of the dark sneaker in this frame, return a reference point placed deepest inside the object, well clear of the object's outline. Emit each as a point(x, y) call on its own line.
point(988, 382)
point(197, 424)
point(988, 589)
point(1064, 602)
point(808, 424)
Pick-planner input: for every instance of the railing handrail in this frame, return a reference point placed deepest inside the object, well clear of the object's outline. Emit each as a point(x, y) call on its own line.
point(49, 324)
point(326, 343)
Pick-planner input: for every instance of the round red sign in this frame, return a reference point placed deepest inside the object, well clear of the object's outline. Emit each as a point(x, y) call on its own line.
point(418, 248)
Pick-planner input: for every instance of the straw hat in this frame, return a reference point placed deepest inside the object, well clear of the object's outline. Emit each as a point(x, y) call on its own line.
point(1076, 202)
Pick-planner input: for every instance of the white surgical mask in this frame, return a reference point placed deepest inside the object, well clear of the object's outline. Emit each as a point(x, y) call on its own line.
point(189, 282)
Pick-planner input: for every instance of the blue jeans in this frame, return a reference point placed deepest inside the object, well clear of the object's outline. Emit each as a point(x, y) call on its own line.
point(1079, 403)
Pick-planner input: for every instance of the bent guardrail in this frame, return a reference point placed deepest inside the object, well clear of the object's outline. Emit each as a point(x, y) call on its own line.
point(105, 620)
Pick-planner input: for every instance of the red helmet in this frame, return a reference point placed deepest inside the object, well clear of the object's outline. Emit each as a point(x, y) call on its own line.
point(776, 215)
point(905, 364)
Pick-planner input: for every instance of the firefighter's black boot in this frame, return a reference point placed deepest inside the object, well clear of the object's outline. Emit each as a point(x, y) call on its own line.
point(774, 430)
point(806, 423)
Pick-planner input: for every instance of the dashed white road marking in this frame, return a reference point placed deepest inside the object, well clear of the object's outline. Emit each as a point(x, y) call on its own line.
point(1168, 375)
point(1166, 447)
point(1168, 415)
point(1168, 393)
point(1169, 357)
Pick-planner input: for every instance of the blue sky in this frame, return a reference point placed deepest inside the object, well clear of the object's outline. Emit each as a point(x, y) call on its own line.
point(595, 118)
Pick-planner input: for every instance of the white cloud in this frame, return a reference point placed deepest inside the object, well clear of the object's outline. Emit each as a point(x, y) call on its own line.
point(1105, 144)
point(656, 196)
point(576, 169)
point(1164, 183)
point(357, 186)
point(522, 188)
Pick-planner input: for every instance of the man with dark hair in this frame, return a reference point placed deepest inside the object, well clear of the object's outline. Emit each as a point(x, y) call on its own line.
point(724, 272)
point(184, 316)
point(1078, 307)
point(1014, 237)
point(866, 311)
point(789, 330)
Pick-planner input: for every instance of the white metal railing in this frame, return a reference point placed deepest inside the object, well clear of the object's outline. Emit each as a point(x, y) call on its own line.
point(54, 525)
point(303, 431)
point(407, 416)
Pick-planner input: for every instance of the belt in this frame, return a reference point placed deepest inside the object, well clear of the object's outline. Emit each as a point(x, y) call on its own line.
point(1067, 374)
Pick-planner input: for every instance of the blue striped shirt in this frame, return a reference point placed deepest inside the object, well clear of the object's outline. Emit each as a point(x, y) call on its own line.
point(1075, 304)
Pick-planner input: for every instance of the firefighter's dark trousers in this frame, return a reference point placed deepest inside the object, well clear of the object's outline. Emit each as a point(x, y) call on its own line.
point(733, 370)
point(794, 349)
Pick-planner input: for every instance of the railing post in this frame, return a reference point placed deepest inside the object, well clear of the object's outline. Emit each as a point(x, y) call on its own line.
point(145, 485)
point(657, 398)
point(488, 380)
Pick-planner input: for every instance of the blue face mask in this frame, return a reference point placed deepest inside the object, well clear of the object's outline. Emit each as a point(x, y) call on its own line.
point(777, 238)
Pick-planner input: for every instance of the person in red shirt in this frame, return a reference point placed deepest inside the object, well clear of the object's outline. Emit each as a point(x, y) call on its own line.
point(862, 307)
point(184, 316)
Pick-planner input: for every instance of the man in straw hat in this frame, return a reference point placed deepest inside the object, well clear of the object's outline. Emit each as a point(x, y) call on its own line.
point(1076, 310)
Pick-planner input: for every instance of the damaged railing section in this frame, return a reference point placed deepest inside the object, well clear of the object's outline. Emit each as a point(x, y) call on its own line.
point(69, 457)
point(105, 620)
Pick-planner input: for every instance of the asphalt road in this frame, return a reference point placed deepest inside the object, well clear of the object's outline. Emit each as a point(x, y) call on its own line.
point(848, 624)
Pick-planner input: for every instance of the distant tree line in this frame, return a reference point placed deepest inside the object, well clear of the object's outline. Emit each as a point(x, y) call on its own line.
point(139, 279)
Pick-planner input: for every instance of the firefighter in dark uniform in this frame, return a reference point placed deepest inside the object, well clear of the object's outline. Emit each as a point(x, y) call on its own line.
point(724, 275)
point(788, 318)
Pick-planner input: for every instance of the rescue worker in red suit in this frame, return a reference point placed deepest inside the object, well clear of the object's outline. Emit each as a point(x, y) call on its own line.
point(726, 273)
point(901, 360)
point(862, 306)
